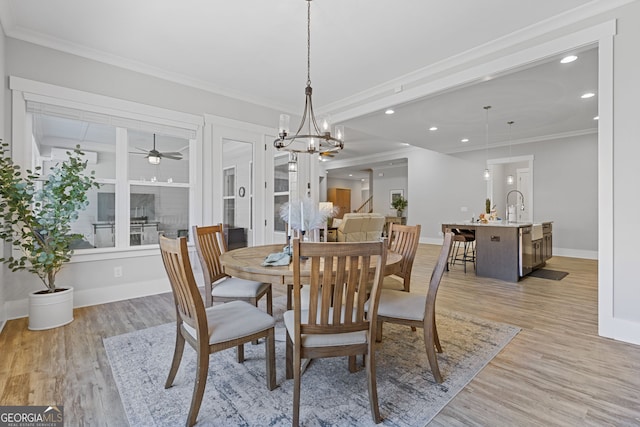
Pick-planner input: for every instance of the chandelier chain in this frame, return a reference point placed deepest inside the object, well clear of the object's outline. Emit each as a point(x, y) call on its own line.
point(308, 42)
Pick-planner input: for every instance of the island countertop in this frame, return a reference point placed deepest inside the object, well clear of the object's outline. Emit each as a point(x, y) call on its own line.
point(507, 250)
point(469, 224)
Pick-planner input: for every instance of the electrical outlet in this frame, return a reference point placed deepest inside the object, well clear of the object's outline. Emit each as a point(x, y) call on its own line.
point(117, 271)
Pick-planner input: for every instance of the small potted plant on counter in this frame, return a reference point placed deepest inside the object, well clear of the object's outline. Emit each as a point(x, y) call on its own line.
point(37, 214)
point(399, 204)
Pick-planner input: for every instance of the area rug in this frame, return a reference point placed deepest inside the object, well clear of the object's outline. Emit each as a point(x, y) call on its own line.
point(543, 273)
point(237, 395)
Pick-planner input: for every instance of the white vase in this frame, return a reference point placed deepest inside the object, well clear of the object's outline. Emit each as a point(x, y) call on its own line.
point(50, 310)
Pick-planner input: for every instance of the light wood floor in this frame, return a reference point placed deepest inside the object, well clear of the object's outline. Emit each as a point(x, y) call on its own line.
point(555, 372)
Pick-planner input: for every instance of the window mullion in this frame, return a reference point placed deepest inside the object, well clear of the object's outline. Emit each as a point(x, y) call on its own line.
point(122, 189)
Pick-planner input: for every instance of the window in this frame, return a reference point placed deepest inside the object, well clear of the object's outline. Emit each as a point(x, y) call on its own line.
point(228, 195)
point(280, 189)
point(133, 204)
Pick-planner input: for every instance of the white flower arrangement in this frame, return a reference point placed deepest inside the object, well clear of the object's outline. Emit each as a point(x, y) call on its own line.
point(304, 214)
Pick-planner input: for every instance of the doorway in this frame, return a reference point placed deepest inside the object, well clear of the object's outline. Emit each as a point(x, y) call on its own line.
point(237, 195)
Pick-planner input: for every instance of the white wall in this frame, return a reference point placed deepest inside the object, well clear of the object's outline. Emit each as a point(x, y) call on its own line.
point(3, 269)
point(439, 187)
point(565, 189)
point(394, 178)
point(626, 176)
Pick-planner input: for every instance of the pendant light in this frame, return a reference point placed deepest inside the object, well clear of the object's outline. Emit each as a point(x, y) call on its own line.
point(293, 162)
point(487, 172)
point(510, 179)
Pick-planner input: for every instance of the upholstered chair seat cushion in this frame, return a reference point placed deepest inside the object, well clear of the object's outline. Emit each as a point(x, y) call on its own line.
point(234, 287)
point(323, 340)
point(393, 282)
point(401, 305)
point(235, 319)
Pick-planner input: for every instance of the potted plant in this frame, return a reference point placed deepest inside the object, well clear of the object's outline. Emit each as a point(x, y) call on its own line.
point(399, 204)
point(37, 213)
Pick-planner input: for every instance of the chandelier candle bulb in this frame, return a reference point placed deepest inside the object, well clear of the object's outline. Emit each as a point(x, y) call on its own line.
point(326, 125)
point(283, 127)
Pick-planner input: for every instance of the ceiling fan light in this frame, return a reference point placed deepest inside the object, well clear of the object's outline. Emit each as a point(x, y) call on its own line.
point(154, 160)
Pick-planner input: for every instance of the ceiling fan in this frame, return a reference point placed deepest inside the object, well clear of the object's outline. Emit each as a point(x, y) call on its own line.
point(154, 156)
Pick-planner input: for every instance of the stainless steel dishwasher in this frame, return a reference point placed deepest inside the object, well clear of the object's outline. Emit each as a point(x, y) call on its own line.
point(525, 251)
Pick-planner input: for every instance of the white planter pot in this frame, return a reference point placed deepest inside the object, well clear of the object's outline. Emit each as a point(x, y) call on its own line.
point(50, 310)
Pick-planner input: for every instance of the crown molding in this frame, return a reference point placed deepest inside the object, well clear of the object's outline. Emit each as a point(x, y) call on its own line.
point(393, 89)
point(541, 138)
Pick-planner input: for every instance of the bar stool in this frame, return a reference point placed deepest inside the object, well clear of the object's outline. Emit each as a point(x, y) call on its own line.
point(466, 239)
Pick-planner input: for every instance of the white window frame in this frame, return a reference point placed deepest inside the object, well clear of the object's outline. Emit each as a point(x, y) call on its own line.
point(122, 115)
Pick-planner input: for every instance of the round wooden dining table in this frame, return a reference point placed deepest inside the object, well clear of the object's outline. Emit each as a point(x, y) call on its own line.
point(246, 263)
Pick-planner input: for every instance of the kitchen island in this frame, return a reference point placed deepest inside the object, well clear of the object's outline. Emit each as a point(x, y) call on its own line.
point(508, 250)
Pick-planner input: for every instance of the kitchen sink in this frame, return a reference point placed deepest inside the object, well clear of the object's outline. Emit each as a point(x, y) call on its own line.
point(536, 231)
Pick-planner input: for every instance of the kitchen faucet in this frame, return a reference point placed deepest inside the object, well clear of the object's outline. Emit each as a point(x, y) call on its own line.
point(507, 202)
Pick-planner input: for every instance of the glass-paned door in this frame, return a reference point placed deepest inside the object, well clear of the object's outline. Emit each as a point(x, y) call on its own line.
point(280, 189)
point(238, 176)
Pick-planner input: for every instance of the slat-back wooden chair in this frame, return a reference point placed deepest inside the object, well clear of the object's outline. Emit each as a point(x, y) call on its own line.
point(340, 272)
point(212, 329)
point(403, 239)
point(220, 287)
point(415, 310)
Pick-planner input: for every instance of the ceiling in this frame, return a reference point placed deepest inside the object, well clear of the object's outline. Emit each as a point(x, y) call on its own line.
point(255, 50)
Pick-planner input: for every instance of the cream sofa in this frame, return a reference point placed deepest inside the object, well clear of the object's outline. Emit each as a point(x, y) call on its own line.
point(360, 227)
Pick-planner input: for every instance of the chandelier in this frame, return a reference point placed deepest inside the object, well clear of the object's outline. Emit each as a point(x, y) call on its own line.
point(311, 137)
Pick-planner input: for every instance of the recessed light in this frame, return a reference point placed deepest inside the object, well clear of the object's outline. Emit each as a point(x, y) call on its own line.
point(389, 111)
point(588, 95)
point(362, 179)
point(350, 174)
point(464, 140)
point(568, 59)
point(596, 118)
point(432, 128)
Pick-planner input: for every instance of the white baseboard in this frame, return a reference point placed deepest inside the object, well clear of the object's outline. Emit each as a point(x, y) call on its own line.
point(82, 298)
point(571, 253)
point(619, 329)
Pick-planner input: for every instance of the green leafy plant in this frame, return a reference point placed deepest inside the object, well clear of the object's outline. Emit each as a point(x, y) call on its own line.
point(37, 213)
point(399, 203)
point(487, 205)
